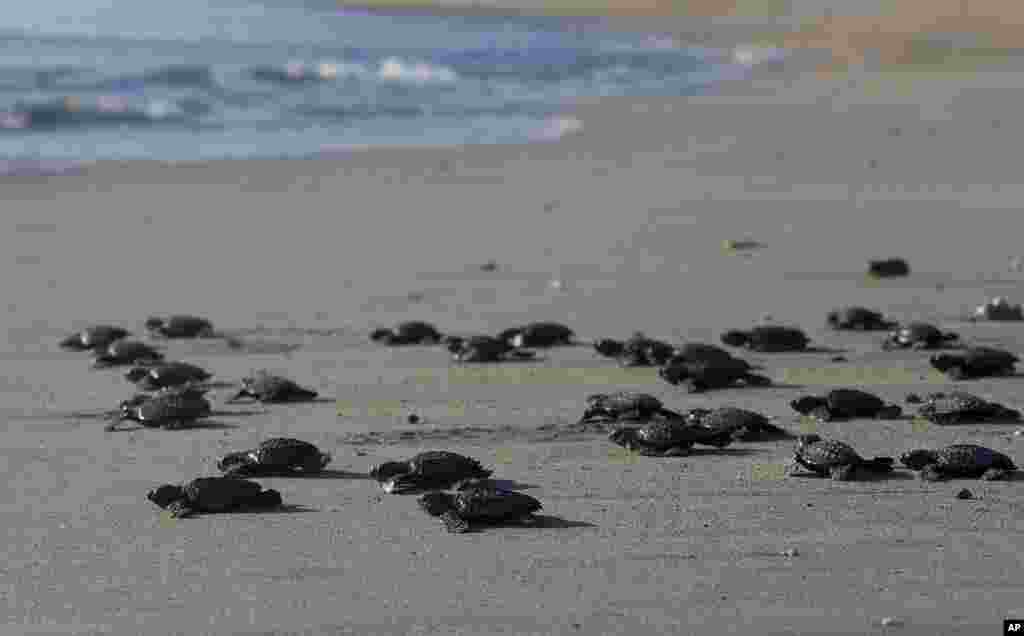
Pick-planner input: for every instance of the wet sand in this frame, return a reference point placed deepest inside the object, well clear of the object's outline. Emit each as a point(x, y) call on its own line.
point(301, 259)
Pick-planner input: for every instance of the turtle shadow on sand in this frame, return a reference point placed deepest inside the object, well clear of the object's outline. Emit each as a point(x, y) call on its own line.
point(250, 400)
point(239, 413)
point(823, 349)
point(510, 360)
point(204, 424)
point(538, 522)
point(323, 474)
point(283, 509)
point(861, 475)
point(731, 451)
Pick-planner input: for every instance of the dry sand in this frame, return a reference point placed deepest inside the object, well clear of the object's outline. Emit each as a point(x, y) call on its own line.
point(629, 215)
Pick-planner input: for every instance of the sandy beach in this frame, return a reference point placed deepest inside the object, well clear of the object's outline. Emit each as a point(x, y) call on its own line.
point(301, 259)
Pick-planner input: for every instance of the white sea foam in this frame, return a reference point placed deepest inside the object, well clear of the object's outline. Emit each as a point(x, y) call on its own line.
point(559, 127)
point(396, 69)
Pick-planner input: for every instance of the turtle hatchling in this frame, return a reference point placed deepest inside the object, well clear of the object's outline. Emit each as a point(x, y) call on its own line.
point(975, 362)
point(413, 332)
point(430, 470)
point(741, 424)
point(637, 351)
point(479, 505)
point(95, 338)
point(999, 309)
point(958, 407)
point(838, 460)
point(180, 326)
point(169, 409)
point(701, 352)
point(609, 407)
point(698, 376)
point(857, 318)
point(278, 456)
point(125, 352)
point(767, 338)
point(667, 437)
point(485, 349)
point(270, 388)
point(888, 268)
point(159, 376)
point(212, 495)
point(843, 404)
point(919, 335)
point(539, 335)
point(959, 461)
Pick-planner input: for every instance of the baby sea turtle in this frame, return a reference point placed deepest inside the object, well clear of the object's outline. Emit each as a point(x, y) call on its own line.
point(975, 362)
point(605, 407)
point(888, 268)
point(485, 349)
point(180, 326)
point(741, 424)
point(277, 456)
point(667, 437)
point(430, 470)
point(702, 352)
point(96, 337)
point(153, 377)
point(539, 335)
point(271, 388)
point(125, 352)
point(835, 459)
point(213, 494)
point(767, 338)
point(998, 309)
point(479, 505)
point(959, 406)
point(637, 351)
point(959, 460)
point(698, 376)
point(413, 332)
point(168, 409)
point(842, 404)
point(857, 318)
point(919, 335)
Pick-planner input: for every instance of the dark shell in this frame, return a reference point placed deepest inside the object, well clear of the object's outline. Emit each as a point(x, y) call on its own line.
point(957, 406)
point(484, 349)
point(480, 505)
point(975, 362)
point(282, 453)
point(167, 409)
point(123, 352)
point(168, 374)
point(94, 337)
point(267, 387)
point(858, 318)
point(642, 351)
point(213, 494)
point(418, 331)
point(844, 403)
point(180, 326)
point(430, 469)
point(665, 433)
point(919, 334)
point(888, 267)
point(820, 455)
point(709, 374)
point(538, 335)
point(701, 352)
point(1000, 312)
point(740, 423)
point(446, 463)
point(622, 404)
point(961, 460)
point(769, 338)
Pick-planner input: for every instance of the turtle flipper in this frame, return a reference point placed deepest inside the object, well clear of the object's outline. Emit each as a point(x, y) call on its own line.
point(845, 472)
point(268, 498)
point(180, 510)
point(238, 470)
point(880, 464)
point(889, 412)
point(932, 473)
point(453, 523)
point(676, 451)
point(822, 413)
point(995, 474)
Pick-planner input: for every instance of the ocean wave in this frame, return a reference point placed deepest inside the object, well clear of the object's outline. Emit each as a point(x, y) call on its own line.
point(72, 112)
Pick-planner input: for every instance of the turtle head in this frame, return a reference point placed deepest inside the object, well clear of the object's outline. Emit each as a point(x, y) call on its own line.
point(165, 495)
point(735, 338)
point(382, 335)
point(832, 318)
point(608, 347)
point(917, 459)
point(154, 324)
point(943, 362)
point(806, 404)
point(437, 503)
point(325, 458)
point(74, 341)
point(453, 344)
point(810, 438)
point(387, 470)
point(625, 437)
point(136, 374)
